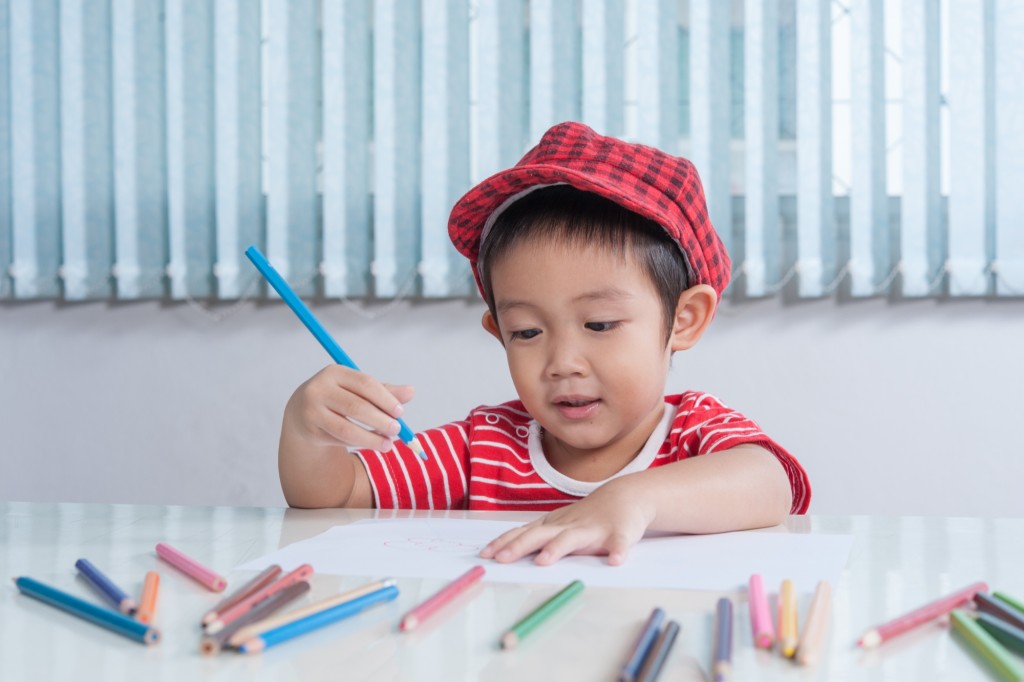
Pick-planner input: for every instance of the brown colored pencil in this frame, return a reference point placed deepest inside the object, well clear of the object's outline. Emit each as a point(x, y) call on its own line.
point(267, 576)
point(211, 644)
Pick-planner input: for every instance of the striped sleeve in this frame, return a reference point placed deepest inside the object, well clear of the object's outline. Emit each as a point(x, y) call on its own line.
point(704, 425)
point(401, 479)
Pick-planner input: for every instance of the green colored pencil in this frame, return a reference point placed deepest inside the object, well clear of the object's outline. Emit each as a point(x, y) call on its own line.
point(987, 646)
point(518, 631)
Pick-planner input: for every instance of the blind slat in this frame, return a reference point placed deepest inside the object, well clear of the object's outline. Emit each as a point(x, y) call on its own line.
point(657, 76)
point(5, 151)
point(760, 251)
point(140, 188)
point(239, 195)
point(816, 247)
point(709, 109)
point(347, 134)
point(554, 64)
point(870, 259)
point(500, 82)
point(922, 234)
point(87, 187)
point(190, 147)
point(971, 145)
point(602, 72)
point(445, 173)
point(35, 150)
point(292, 123)
point(396, 125)
point(1009, 112)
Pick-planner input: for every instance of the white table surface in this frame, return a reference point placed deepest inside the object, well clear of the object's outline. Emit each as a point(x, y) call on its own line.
point(896, 564)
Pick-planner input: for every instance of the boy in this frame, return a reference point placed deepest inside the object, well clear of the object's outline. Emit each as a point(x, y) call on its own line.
point(597, 262)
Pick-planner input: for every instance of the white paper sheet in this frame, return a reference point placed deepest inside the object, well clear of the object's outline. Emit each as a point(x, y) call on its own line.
point(445, 548)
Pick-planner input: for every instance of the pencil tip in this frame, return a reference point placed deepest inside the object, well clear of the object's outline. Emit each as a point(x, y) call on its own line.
point(417, 447)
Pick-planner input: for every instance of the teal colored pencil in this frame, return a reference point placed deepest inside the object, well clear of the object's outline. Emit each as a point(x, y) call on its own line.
point(104, 617)
point(511, 638)
point(307, 318)
point(1010, 636)
point(317, 620)
point(987, 646)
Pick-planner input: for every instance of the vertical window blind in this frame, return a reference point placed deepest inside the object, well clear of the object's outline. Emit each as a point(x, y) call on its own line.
point(845, 147)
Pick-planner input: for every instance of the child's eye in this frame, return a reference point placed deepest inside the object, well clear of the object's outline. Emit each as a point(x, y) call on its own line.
point(524, 334)
point(601, 326)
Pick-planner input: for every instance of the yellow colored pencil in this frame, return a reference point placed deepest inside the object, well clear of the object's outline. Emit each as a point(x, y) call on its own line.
point(147, 602)
point(788, 636)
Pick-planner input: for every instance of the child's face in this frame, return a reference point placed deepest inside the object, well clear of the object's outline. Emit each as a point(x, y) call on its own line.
point(583, 329)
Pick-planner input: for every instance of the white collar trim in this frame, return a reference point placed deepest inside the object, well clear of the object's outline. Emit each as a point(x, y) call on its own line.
point(571, 486)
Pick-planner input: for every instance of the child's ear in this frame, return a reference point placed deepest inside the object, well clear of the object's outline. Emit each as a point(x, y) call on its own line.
point(694, 311)
point(491, 325)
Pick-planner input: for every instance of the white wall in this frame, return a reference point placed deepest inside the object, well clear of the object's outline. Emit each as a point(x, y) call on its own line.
point(910, 408)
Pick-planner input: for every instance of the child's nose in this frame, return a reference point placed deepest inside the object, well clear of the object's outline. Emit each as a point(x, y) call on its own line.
point(565, 358)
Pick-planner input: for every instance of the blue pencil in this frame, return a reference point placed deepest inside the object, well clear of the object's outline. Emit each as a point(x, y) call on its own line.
point(643, 645)
point(112, 620)
point(317, 620)
point(106, 587)
point(655, 660)
point(305, 315)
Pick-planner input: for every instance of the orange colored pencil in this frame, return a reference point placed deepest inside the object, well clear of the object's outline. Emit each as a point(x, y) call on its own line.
point(147, 602)
point(303, 572)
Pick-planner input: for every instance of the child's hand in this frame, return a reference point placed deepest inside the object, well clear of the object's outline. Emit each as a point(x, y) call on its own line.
point(342, 406)
point(609, 521)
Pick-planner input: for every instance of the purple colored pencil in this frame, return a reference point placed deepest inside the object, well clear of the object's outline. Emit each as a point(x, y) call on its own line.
point(999, 608)
point(721, 667)
point(106, 587)
point(644, 642)
point(655, 660)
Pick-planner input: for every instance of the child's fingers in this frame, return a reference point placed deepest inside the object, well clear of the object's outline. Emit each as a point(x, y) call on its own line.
point(618, 548)
point(569, 541)
point(403, 392)
point(528, 542)
point(367, 388)
point(337, 428)
point(498, 543)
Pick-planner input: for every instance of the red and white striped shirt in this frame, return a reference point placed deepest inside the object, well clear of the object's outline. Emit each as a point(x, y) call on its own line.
point(493, 459)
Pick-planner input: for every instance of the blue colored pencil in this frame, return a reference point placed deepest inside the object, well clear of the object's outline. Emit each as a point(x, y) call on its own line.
point(659, 652)
point(305, 315)
point(106, 587)
point(643, 645)
point(317, 620)
point(112, 620)
point(721, 667)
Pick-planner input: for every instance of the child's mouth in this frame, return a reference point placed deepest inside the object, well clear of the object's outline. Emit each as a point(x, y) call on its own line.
point(582, 408)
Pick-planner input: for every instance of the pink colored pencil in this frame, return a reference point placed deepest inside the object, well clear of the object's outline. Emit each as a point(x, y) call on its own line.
point(909, 621)
point(225, 617)
point(190, 567)
point(443, 596)
point(264, 578)
point(760, 614)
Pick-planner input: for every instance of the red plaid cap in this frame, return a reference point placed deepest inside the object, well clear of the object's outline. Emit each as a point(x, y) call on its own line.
point(645, 180)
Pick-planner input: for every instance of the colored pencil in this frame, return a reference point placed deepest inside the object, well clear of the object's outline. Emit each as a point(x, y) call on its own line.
point(318, 620)
point(147, 602)
point(999, 608)
point(211, 644)
point(190, 567)
point(808, 651)
point(1015, 603)
point(659, 652)
point(264, 578)
point(788, 636)
point(1010, 636)
point(721, 666)
point(107, 618)
point(644, 641)
point(255, 628)
point(443, 596)
point(760, 614)
point(918, 616)
point(301, 573)
point(518, 631)
point(106, 587)
point(987, 646)
point(307, 318)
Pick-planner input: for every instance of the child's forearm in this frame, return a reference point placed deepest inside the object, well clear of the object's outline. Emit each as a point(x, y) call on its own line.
point(744, 487)
point(314, 475)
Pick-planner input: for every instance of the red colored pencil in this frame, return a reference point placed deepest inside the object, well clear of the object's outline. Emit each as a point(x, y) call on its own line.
point(443, 596)
point(928, 612)
point(303, 572)
point(267, 576)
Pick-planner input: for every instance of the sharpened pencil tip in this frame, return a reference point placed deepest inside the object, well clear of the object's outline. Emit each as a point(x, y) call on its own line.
point(417, 447)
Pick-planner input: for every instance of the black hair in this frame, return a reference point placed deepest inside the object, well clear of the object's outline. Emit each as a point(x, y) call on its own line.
point(578, 218)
